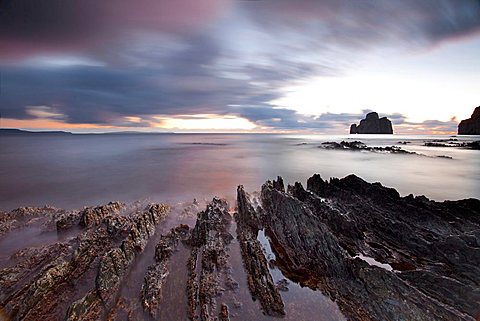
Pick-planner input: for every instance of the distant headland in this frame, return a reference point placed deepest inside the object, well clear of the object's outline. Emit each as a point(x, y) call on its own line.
point(14, 131)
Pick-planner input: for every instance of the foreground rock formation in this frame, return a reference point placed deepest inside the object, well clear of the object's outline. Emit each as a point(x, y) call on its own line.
point(373, 254)
point(470, 126)
point(372, 124)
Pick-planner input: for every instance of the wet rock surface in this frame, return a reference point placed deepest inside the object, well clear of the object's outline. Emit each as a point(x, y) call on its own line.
point(209, 270)
point(373, 254)
point(41, 282)
point(152, 289)
point(316, 235)
point(372, 124)
point(115, 264)
point(260, 281)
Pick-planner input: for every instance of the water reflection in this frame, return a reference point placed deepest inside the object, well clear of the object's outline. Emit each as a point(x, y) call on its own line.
point(77, 170)
point(301, 303)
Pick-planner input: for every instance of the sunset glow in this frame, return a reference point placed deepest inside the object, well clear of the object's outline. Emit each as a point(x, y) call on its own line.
point(207, 122)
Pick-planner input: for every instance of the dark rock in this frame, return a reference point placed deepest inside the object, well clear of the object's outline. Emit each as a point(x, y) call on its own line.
point(115, 264)
point(359, 146)
point(92, 216)
point(67, 221)
point(376, 254)
point(470, 126)
point(224, 314)
point(25, 216)
point(157, 273)
point(260, 281)
point(453, 143)
point(372, 124)
point(209, 241)
point(282, 285)
point(316, 234)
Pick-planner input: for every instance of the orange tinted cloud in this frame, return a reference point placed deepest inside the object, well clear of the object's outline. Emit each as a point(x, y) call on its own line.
point(46, 124)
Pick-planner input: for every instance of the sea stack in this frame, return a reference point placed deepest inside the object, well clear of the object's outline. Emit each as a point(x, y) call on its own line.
point(470, 126)
point(372, 124)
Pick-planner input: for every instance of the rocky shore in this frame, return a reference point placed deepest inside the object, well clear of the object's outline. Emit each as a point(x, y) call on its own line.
point(372, 254)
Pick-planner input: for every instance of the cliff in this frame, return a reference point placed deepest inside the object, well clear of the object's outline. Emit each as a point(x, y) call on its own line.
point(470, 126)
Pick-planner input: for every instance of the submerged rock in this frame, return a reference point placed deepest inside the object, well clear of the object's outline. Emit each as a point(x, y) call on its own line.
point(470, 126)
point(454, 143)
point(372, 124)
point(360, 146)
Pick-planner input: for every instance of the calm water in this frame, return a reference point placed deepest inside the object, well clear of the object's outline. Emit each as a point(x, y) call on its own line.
point(71, 171)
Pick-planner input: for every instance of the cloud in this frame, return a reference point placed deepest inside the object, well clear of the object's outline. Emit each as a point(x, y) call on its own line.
point(43, 112)
point(361, 23)
point(92, 62)
point(30, 26)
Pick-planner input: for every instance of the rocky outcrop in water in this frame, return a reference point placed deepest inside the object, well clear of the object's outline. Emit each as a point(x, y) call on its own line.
point(260, 281)
point(152, 289)
point(115, 264)
point(470, 126)
point(43, 282)
point(208, 264)
point(453, 143)
point(372, 124)
point(318, 235)
point(359, 146)
point(374, 254)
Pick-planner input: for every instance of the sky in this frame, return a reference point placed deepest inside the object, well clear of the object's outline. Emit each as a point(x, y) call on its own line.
point(309, 66)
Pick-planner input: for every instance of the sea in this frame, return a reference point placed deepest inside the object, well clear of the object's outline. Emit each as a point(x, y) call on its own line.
point(73, 171)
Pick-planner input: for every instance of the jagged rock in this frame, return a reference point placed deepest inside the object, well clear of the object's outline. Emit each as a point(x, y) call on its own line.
point(470, 126)
point(30, 289)
point(372, 124)
point(158, 272)
point(317, 234)
point(38, 297)
point(359, 146)
point(260, 281)
point(92, 216)
point(378, 255)
point(282, 285)
point(410, 234)
point(25, 216)
point(115, 264)
point(209, 239)
point(224, 314)
point(67, 221)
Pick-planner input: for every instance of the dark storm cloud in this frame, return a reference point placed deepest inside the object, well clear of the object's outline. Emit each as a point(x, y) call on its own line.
point(202, 56)
point(364, 22)
point(29, 26)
